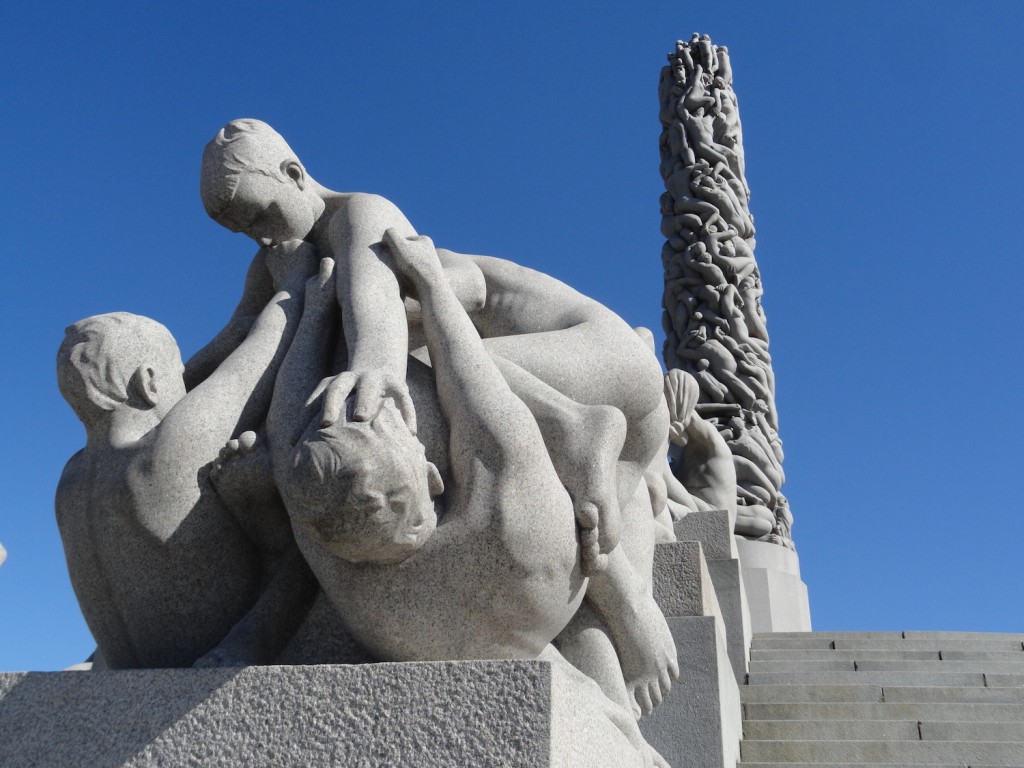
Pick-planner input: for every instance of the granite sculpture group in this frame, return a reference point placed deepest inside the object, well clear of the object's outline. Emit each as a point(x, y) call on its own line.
point(466, 456)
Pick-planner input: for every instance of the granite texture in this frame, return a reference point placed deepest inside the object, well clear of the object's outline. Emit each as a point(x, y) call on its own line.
point(510, 713)
point(776, 594)
point(700, 722)
point(392, 452)
point(714, 323)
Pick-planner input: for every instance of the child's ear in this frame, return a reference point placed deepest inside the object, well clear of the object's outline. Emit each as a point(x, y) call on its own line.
point(144, 382)
point(293, 170)
point(434, 483)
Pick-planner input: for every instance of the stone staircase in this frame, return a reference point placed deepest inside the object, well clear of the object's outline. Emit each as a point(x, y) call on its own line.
point(884, 699)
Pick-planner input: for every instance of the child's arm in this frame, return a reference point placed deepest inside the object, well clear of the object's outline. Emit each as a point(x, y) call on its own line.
point(257, 292)
point(474, 395)
point(236, 395)
point(304, 366)
point(372, 310)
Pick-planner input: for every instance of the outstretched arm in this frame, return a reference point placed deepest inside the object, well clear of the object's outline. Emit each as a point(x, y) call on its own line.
point(236, 395)
point(258, 290)
point(474, 395)
point(372, 310)
point(303, 367)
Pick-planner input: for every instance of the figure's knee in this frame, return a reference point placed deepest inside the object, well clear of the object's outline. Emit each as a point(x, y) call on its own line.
point(643, 375)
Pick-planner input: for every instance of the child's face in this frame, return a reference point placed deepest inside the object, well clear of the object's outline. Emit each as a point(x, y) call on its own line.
point(395, 525)
point(269, 211)
point(393, 513)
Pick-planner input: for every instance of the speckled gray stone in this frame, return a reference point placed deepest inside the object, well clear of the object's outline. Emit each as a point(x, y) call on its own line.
point(700, 721)
point(479, 713)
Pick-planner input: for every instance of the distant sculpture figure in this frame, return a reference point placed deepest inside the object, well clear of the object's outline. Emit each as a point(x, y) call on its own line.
point(165, 575)
point(701, 459)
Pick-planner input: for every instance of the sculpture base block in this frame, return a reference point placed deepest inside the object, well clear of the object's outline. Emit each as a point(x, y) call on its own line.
point(776, 596)
point(700, 722)
point(510, 713)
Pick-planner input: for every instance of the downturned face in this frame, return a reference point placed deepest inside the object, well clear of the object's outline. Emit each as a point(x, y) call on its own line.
point(271, 211)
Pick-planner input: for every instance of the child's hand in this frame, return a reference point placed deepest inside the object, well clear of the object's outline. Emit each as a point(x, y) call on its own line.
point(290, 263)
point(320, 287)
point(369, 390)
point(415, 257)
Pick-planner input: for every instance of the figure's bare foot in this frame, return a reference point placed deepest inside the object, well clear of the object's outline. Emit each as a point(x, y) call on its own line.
point(238, 469)
point(244, 480)
point(588, 453)
point(647, 651)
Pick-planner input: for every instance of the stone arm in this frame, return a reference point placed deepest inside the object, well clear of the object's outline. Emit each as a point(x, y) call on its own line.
point(372, 310)
point(236, 395)
point(300, 381)
point(488, 422)
point(257, 292)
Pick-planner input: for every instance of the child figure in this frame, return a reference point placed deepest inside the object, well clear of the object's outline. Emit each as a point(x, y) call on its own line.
point(538, 330)
point(164, 574)
point(490, 566)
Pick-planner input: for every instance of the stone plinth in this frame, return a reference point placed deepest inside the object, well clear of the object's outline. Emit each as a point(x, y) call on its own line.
point(699, 723)
point(713, 529)
point(775, 593)
point(509, 713)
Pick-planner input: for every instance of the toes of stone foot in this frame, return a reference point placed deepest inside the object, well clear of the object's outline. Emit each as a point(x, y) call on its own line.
point(643, 698)
point(588, 538)
point(232, 445)
point(608, 537)
point(654, 693)
point(247, 440)
point(587, 515)
point(665, 681)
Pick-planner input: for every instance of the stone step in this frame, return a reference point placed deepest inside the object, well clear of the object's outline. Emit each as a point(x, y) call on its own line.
point(999, 680)
point(860, 765)
point(887, 665)
point(907, 641)
point(832, 730)
point(812, 693)
point(888, 710)
point(933, 679)
point(876, 693)
point(989, 695)
point(881, 730)
point(950, 665)
point(911, 752)
point(956, 731)
point(813, 654)
point(910, 635)
point(819, 654)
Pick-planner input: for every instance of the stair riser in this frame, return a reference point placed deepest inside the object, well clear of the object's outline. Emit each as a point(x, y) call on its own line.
point(782, 654)
point(943, 679)
point(883, 752)
point(831, 730)
point(875, 693)
point(910, 710)
point(880, 665)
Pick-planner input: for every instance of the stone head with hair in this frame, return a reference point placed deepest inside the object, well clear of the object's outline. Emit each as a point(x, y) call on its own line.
point(118, 360)
point(363, 490)
point(251, 181)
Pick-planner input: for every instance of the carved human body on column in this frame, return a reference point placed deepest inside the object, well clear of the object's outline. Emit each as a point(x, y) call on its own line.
point(713, 320)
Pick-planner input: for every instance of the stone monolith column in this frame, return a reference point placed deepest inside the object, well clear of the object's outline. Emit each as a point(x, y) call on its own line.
point(714, 323)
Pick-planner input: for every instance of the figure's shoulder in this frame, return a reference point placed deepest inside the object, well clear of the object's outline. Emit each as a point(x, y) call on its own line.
point(72, 474)
point(354, 204)
point(73, 486)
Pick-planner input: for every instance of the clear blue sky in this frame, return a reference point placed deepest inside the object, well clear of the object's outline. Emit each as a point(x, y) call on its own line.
point(884, 156)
